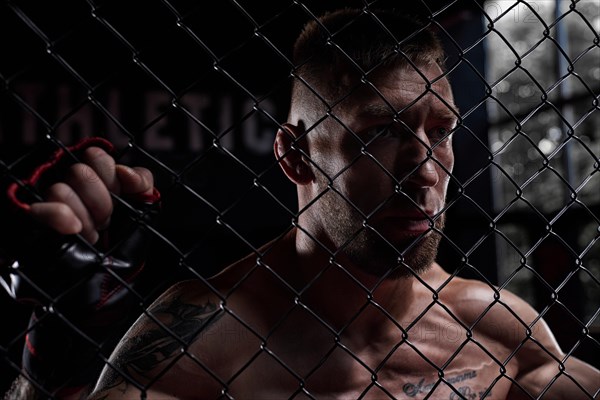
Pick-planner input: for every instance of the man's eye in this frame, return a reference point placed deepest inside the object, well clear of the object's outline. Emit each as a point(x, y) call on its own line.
point(380, 132)
point(439, 134)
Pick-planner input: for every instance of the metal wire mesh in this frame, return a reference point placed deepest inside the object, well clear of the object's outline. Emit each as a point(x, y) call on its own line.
point(196, 93)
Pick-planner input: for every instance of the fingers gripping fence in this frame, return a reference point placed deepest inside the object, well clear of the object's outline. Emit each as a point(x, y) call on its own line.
point(196, 93)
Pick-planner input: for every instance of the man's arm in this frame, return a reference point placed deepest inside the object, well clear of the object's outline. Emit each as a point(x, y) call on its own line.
point(543, 370)
point(515, 335)
point(159, 356)
point(578, 381)
point(88, 279)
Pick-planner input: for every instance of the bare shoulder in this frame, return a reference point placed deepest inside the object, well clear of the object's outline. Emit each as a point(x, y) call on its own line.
point(155, 356)
point(496, 312)
point(188, 343)
point(516, 335)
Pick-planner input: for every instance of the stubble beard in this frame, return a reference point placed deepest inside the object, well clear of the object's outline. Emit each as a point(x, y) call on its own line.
point(373, 253)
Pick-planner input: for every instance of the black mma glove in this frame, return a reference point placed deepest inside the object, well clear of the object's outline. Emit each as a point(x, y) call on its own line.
point(82, 294)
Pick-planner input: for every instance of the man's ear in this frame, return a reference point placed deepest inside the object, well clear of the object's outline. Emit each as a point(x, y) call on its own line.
point(287, 147)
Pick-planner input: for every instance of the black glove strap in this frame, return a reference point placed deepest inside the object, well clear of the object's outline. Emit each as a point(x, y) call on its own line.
point(82, 294)
point(64, 356)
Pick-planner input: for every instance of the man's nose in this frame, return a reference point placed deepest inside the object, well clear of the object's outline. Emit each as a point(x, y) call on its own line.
point(417, 167)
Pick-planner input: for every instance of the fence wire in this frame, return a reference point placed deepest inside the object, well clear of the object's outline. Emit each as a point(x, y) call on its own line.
point(196, 92)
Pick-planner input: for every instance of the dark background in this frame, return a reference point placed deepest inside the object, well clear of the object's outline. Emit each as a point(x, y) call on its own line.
point(132, 72)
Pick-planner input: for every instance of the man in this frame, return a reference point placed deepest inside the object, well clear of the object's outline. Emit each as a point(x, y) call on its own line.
point(350, 303)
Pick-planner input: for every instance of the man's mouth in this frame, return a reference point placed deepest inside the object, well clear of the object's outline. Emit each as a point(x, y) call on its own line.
point(409, 225)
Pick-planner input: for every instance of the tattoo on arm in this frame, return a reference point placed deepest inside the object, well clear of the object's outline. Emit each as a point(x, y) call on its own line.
point(140, 354)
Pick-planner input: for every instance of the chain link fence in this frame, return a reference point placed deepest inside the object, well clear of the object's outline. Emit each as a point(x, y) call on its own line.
point(196, 91)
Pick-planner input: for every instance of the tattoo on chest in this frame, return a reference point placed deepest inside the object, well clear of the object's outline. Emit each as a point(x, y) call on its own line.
point(462, 389)
point(467, 392)
point(140, 354)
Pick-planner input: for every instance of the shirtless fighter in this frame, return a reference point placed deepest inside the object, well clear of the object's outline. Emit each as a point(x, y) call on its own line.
point(350, 303)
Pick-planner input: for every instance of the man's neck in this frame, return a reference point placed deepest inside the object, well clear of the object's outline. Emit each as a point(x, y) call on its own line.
point(347, 299)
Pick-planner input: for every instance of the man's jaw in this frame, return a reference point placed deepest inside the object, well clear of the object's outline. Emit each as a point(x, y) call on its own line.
point(399, 245)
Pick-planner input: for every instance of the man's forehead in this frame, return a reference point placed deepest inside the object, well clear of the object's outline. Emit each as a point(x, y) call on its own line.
point(412, 83)
point(399, 87)
point(405, 96)
point(443, 109)
point(413, 89)
point(385, 99)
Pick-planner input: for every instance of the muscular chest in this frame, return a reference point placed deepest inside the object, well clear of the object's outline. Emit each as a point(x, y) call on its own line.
point(405, 372)
point(433, 358)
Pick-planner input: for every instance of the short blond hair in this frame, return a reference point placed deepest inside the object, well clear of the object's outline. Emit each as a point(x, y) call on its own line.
point(344, 46)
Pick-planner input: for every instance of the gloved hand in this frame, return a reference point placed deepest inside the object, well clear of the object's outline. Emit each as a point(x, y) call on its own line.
point(79, 228)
